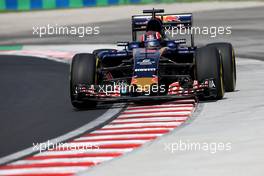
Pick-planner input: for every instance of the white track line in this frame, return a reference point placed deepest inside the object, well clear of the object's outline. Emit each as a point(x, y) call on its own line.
point(153, 114)
point(142, 125)
point(159, 110)
point(160, 106)
point(153, 119)
point(64, 160)
point(87, 144)
point(130, 130)
point(45, 170)
point(72, 152)
point(117, 136)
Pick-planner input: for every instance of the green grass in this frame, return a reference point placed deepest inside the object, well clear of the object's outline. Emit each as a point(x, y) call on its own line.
point(10, 47)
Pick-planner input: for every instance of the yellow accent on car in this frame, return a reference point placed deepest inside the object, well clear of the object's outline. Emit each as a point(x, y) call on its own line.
point(144, 82)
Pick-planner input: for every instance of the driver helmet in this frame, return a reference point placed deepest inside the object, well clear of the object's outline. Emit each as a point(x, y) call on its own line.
point(151, 39)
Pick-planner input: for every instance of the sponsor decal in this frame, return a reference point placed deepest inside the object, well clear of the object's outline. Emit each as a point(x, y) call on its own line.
point(145, 62)
point(145, 69)
point(212, 84)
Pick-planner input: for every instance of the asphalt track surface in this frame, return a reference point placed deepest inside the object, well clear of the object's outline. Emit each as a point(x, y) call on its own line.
point(35, 103)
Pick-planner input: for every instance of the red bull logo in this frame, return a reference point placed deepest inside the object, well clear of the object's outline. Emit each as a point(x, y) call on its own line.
point(170, 18)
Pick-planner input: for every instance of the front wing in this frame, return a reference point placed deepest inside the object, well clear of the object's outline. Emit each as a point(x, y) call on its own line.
point(204, 89)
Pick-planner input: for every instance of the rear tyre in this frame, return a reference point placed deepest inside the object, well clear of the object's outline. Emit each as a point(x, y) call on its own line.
point(83, 71)
point(229, 64)
point(209, 65)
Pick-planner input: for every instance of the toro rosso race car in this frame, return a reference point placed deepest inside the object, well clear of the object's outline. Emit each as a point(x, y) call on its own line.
point(153, 66)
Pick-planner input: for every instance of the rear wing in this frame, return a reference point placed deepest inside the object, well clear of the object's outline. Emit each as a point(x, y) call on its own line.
point(170, 21)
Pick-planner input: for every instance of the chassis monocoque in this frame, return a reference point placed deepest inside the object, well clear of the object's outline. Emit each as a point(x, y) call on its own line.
point(138, 73)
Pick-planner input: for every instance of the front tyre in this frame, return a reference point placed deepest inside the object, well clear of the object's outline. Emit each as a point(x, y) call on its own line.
point(83, 71)
point(229, 64)
point(209, 66)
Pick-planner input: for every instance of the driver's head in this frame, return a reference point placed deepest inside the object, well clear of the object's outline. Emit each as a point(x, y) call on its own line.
point(154, 25)
point(151, 39)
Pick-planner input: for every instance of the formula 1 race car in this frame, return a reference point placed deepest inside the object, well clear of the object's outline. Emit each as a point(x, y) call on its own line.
point(153, 66)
